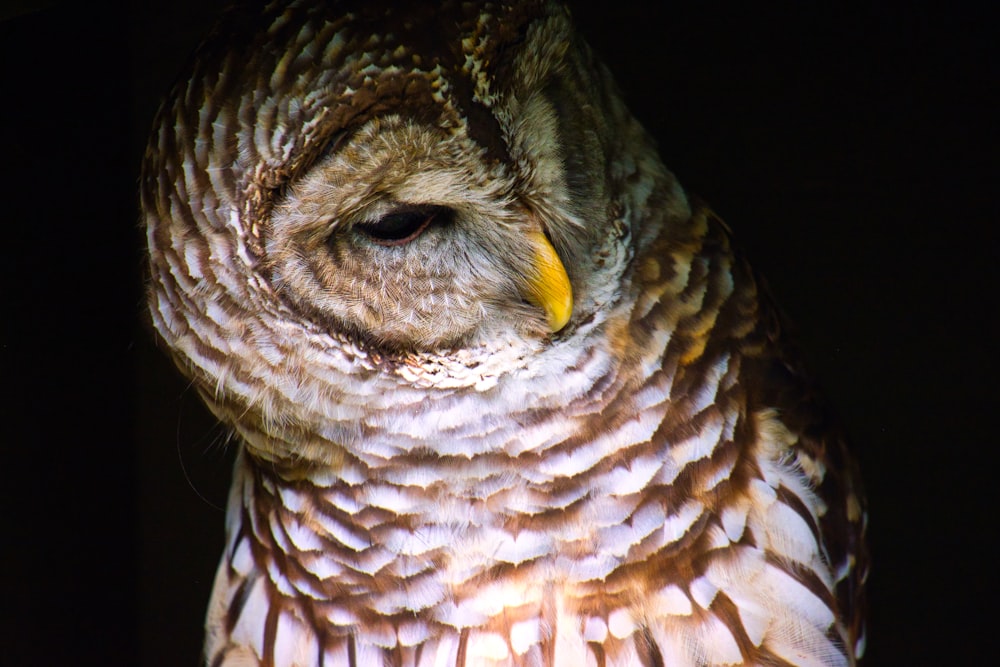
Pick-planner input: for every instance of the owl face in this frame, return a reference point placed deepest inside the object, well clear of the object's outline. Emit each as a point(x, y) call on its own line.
point(406, 238)
point(347, 205)
point(413, 194)
point(442, 222)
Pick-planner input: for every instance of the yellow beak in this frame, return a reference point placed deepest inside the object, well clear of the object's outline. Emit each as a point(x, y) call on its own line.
point(549, 288)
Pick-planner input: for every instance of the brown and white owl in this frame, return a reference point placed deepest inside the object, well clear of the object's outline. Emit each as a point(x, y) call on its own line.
point(504, 394)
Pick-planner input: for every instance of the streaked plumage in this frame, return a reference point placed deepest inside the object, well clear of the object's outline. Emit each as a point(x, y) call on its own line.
point(506, 394)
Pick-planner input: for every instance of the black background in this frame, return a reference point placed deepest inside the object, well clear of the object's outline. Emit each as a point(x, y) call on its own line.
point(852, 148)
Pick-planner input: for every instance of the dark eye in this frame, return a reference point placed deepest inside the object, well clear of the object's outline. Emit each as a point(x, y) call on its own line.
point(401, 225)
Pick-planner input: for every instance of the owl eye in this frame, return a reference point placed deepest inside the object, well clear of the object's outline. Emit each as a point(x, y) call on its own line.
point(401, 225)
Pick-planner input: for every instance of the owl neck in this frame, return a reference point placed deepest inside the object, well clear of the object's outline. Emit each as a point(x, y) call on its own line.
point(454, 548)
point(449, 540)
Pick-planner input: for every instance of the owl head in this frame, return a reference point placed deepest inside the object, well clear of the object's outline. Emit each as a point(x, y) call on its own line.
point(348, 202)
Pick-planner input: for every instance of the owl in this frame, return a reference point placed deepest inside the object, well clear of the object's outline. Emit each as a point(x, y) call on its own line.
point(504, 394)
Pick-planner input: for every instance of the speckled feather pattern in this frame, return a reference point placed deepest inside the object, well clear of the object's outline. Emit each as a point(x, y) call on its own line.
point(427, 474)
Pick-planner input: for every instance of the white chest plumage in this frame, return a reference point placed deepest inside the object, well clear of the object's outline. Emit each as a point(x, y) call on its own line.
point(419, 575)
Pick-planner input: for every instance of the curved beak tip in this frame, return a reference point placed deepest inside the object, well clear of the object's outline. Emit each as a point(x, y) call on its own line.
point(549, 287)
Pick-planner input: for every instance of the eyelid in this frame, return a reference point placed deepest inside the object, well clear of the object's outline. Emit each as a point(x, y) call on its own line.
point(401, 225)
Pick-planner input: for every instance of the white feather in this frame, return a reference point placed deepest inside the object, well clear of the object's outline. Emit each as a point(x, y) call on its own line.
point(295, 645)
point(621, 624)
point(671, 600)
point(525, 634)
point(703, 592)
point(249, 628)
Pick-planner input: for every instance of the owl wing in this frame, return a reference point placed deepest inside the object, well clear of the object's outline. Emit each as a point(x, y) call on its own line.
point(777, 379)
